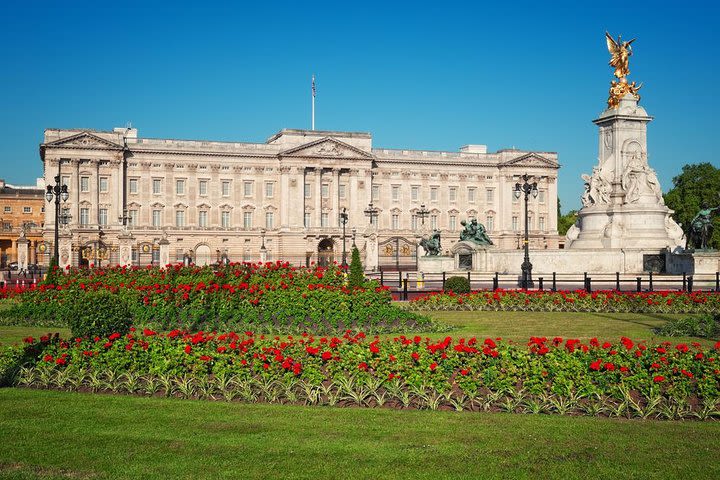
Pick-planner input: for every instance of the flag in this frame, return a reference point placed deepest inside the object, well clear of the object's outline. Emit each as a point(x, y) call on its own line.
point(313, 86)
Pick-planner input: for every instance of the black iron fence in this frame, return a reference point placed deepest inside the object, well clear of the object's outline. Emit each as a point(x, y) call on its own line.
point(408, 285)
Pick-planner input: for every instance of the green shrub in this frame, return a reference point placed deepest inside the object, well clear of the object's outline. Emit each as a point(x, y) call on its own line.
point(457, 285)
point(98, 313)
point(705, 326)
point(357, 276)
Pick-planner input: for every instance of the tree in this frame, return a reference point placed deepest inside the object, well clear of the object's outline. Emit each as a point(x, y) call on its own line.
point(357, 276)
point(697, 184)
point(565, 221)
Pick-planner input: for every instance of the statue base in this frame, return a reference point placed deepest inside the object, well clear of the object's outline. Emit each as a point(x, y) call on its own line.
point(435, 264)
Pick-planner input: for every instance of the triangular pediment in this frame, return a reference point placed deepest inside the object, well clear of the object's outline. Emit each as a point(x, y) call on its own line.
point(85, 140)
point(327, 147)
point(531, 160)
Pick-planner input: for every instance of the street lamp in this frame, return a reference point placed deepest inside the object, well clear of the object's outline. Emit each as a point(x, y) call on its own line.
point(422, 213)
point(344, 220)
point(354, 232)
point(527, 189)
point(57, 192)
point(372, 213)
point(263, 250)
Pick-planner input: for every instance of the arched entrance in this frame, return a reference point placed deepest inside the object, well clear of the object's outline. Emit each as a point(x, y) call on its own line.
point(202, 255)
point(325, 252)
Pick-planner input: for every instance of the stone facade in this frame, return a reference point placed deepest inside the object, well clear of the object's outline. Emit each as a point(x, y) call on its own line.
point(213, 199)
point(22, 207)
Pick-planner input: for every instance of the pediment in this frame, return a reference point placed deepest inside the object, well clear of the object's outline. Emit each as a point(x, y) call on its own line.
point(85, 140)
point(531, 160)
point(327, 148)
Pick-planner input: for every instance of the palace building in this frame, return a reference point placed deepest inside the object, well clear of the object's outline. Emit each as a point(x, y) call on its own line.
point(22, 213)
point(145, 201)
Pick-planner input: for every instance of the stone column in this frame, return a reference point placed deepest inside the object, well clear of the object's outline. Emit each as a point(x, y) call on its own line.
point(65, 250)
point(285, 207)
point(164, 252)
point(125, 245)
point(335, 198)
point(318, 197)
point(23, 252)
point(352, 195)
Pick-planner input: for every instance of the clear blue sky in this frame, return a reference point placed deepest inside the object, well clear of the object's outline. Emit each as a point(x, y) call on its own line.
point(424, 76)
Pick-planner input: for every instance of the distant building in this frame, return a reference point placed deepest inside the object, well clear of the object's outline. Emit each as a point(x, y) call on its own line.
point(21, 207)
point(213, 199)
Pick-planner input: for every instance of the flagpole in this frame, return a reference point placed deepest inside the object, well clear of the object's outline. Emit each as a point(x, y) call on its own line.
point(313, 103)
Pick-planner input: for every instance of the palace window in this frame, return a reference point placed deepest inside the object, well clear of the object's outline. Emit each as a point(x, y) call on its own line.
point(202, 218)
point(157, 186)
point(541, 223)
point(202, 187)
point(84, 216)
point(414, 222)
point(490, 195)
point(180, 187)
point(248, 188)
point(225, 219)
point(433, 194)
point(453, 224)
point(471, 194)
point(433, 221)
point(307, 219)
point(414, 193)
point(308, 192)
point(324, 220)
point(180, 218)
point(133, 185)
point(132, 217)
point(490, 223)
point(341, 190)
point(269, 189)
point(156, 218)
point(27, 209)
point(102, 216)
point(395, 193)
point(84, 184)
point(541, 196)
point(515, 224)
point(395, 221)
point(103, 184)
point(247, 220)
point(269, 220)
point(226, 188)
point(8, 209)
point(452, 194)
point(65, 180)
point(375, 193)
point(325, 189)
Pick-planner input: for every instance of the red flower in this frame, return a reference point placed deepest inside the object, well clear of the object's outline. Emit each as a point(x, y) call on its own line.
point(28, 339)
point(464, 372)
point(433, 366)
point(188, 349)
point(108, 344)
point(60, 361)
point(415, 356)
point(114, 336)
point(363, 366)
point(148, 333)
point(326, 356)
point(48, 358)
point(658, 379)
point(596, 365)
point(205, 358)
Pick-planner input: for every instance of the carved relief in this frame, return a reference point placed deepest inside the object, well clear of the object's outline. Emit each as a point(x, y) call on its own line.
point(328, 149)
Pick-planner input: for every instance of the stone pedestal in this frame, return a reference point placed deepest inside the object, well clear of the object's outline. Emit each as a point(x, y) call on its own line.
point(623, 206)
point(469, 256)
point(65, 247)
point(23, 253)
point(436, 264)
point(164, 252)
point(371, 251)
point(125, 249)
point(699, 261)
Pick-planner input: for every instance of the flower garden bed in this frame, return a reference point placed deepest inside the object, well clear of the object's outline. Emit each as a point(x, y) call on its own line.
point(273, 297)
point(572, 301)
point(564, 376)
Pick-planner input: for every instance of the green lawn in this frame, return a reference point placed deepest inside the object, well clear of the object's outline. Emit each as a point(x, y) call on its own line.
point(516, 326)
point(519, 326)
point(46, 434)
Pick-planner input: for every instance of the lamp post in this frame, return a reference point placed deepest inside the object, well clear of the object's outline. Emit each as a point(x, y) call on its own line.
point(422, 213)
point(263, 250)
point(372, 213)
point(57, 192)
point(344, 220)
point(527, 189)
point(354, 232)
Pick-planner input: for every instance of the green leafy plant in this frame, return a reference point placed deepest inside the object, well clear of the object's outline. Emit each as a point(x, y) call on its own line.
point(357, 276)
point(99, 313)
point(457, 285)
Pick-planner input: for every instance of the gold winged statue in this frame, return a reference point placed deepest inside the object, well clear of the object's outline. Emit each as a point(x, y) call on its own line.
point(619, 59)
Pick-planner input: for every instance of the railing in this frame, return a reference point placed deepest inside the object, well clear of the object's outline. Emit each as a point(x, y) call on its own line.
point(407, 285)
